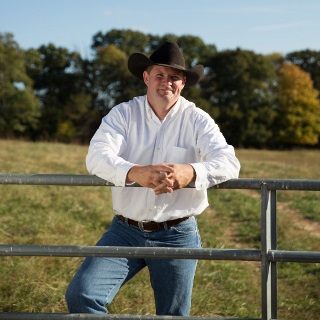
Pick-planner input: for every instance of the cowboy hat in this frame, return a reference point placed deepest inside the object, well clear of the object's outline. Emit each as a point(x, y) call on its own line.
point(167, 55)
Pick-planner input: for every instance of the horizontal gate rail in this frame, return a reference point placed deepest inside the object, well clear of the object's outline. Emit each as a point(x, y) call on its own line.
point(158, 253)
point(268, 255)
point(88, 180)
point(82, 316)
point(129, 252)
point(293, 256)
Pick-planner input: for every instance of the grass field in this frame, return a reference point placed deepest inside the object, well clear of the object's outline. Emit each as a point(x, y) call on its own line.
point(60, 215)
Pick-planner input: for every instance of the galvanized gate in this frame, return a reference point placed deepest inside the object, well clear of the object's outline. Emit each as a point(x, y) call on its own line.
point(268, 254)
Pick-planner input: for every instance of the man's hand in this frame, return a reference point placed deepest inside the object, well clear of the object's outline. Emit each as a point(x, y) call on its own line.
point(152, 176)
point(181, 176)
point(162, 178)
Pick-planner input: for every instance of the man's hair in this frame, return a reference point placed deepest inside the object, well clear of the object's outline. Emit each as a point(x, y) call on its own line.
point(149, 68)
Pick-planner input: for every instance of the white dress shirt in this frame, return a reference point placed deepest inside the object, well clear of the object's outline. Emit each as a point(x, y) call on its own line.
point(132, 134)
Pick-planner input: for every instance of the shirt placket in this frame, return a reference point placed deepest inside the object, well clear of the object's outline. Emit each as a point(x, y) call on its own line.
point(160, 150)
point(154, 203)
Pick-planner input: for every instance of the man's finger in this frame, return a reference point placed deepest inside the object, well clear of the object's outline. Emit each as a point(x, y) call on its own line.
point(163, 168)
point(162, 188)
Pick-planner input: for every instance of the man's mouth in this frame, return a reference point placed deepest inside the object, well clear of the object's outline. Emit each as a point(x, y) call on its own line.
point(166, 90)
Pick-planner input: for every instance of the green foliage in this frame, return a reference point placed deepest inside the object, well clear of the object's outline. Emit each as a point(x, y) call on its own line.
point(240, 83)
point(111, 73)
point(55, 82)
point(128, 41)
point(246, 93)
point(195, 50)
point(308, 61)
point(19, 107)
point(298, 121)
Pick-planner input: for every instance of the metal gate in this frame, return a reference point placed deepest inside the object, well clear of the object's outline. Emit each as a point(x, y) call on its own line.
point(268, 254)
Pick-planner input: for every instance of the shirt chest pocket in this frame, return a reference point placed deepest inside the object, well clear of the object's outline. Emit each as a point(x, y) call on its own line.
point(180, 155)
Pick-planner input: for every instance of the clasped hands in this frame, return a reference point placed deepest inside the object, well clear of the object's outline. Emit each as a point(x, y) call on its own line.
point(162, 178)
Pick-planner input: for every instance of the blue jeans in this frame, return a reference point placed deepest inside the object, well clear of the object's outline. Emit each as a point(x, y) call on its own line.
point(99, 279)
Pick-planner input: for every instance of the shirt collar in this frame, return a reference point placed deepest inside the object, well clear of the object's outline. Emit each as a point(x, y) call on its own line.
point(152, 115)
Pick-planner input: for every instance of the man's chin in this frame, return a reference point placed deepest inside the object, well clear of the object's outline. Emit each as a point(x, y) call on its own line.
point(168, 95)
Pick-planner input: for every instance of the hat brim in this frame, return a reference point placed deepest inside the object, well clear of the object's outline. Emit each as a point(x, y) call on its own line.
point(138, 63)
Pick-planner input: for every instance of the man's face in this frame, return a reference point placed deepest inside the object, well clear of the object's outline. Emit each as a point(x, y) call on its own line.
point(164, 84)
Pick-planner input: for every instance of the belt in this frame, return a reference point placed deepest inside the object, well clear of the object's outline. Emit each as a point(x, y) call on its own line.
point(149, 226)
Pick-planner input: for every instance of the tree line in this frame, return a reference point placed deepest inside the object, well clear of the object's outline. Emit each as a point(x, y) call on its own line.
point(259, 101)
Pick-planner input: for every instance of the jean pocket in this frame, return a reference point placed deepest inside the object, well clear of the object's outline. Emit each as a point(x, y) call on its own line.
point(186, 227)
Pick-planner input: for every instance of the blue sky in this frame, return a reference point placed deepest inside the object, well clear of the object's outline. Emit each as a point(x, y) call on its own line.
point(262, 26)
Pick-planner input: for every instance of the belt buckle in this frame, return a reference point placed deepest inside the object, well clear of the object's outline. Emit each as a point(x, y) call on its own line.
point(140, 225)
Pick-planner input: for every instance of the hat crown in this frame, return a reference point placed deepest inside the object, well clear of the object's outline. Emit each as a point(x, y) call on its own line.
point(168, 54)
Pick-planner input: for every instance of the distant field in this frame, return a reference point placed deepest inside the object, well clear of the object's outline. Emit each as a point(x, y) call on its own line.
point(63, 215)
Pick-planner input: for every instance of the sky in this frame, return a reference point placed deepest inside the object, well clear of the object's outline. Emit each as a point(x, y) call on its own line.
point(264, 27)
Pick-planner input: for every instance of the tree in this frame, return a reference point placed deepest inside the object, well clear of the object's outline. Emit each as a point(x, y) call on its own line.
point(80, 121)
point(112, 83)
point(195, 51)
point(308, 61)
point(239, 84)
point(298, 122)
point(57, 74)
point(19, 107)
point(110, 73)
point(128, 41)
point(276, 58)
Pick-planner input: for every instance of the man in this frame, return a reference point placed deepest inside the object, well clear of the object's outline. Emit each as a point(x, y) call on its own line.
point(164, 143)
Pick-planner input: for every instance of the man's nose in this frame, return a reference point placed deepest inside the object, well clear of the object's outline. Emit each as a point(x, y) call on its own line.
point(167, 79)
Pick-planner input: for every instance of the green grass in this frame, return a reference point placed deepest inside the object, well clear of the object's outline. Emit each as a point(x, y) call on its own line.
point(61, 215)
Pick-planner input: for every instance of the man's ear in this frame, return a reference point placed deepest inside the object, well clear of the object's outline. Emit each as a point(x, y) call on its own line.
point(184, 80)
point(146, 77)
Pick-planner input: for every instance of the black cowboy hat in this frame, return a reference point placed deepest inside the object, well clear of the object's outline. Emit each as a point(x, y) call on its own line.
point(167, 55)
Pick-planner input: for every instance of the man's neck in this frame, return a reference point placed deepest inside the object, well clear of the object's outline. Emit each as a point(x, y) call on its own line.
point(161, 109)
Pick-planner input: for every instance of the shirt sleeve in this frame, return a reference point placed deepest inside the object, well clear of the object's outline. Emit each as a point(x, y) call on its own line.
point(218, 160)
point(104, 155)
